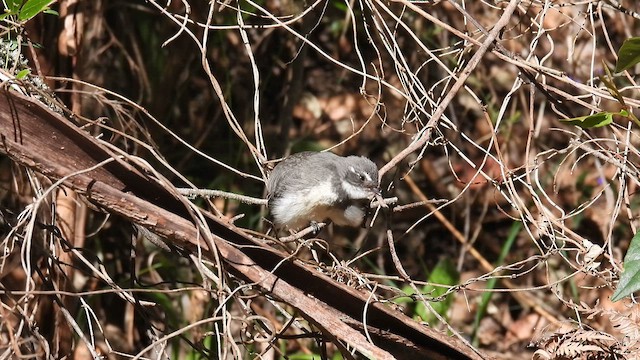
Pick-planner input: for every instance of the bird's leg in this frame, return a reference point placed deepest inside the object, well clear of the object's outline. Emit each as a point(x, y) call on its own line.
point(297, 235)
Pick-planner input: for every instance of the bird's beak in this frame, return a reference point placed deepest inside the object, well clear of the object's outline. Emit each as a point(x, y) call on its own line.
point(375, 191)
point(373, 188)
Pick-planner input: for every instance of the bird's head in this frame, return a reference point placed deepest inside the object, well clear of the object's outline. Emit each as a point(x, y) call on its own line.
point(359, 177)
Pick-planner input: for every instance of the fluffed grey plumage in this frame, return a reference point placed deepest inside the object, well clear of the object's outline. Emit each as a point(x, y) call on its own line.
point(312, 187)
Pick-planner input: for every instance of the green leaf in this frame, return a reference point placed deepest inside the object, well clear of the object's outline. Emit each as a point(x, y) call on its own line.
point(516, 227)
point(630, 278)
point(51, 12)
point(405, 300)
point(22, 74)
point(32, 8)
point(629, 54)
point(14, 5)
point(443, 274)
point(303, 356)
point(591, 121)
point(340, 6)
point(611, 86)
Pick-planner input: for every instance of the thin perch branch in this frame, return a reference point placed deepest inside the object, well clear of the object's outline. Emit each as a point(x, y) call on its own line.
point(207, 193)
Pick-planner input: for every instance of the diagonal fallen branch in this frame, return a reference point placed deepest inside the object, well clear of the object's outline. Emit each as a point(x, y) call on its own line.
point(35, 137)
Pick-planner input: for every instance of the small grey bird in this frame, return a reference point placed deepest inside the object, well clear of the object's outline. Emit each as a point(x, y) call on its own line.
point(310, 187)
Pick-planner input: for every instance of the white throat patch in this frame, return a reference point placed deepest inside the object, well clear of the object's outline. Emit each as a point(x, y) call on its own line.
point(356, 192)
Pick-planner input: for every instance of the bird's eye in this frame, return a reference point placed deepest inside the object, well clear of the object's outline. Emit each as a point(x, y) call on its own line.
point(362, 177)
